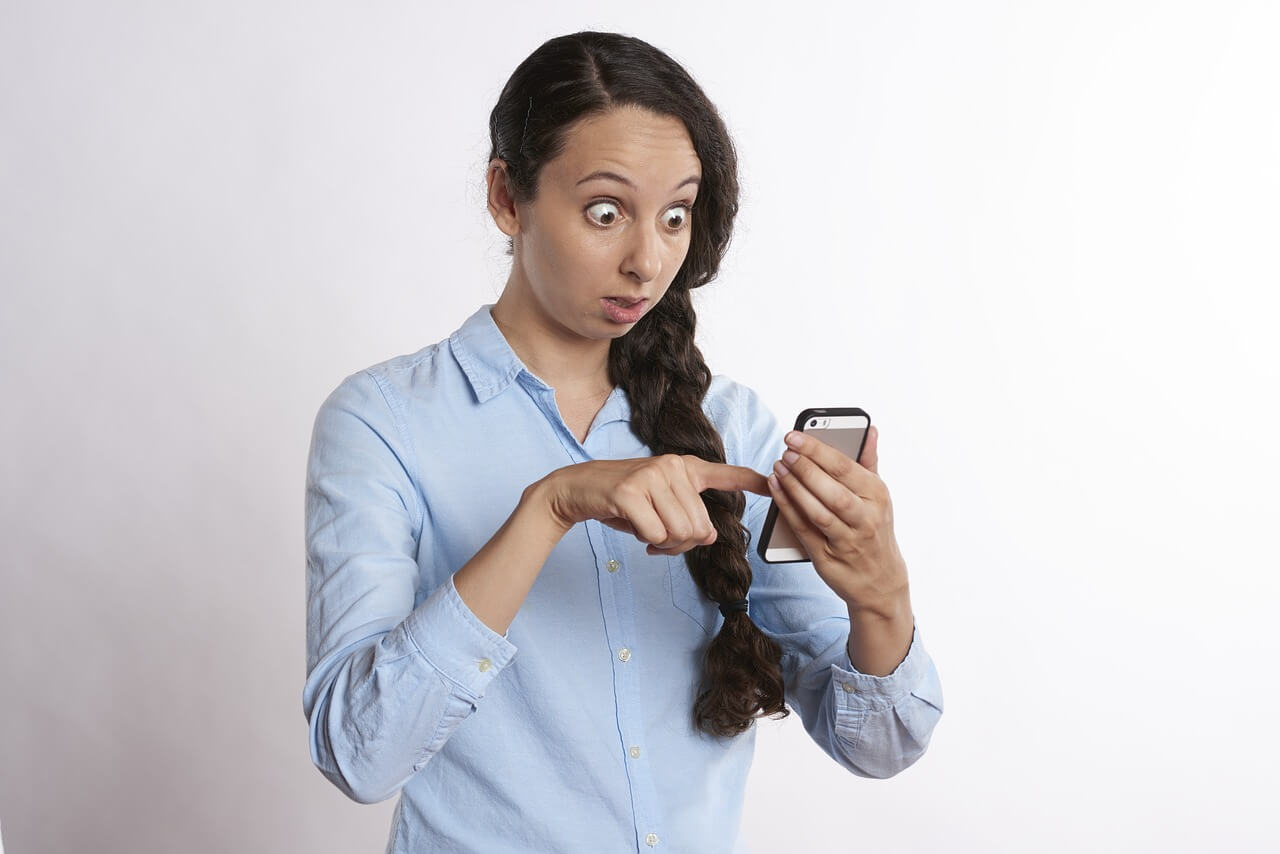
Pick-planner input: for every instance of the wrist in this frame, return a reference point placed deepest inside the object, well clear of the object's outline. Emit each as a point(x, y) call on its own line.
point(539, 500)
point(884, 607)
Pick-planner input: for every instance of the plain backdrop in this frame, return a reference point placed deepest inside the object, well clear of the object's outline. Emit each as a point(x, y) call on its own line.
point(1036, 241)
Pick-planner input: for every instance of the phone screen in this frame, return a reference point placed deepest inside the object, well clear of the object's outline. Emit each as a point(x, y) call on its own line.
point(846, 434)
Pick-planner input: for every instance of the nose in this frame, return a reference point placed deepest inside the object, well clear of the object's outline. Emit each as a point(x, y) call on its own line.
point(644, 255)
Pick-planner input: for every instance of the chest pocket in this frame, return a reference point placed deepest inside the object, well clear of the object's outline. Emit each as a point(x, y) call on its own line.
point(686, 596)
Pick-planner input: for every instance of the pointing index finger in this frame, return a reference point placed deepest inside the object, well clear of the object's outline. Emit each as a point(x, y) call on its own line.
point(724, 476)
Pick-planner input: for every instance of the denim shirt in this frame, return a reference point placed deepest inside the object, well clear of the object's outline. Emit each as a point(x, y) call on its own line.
point(573, 731)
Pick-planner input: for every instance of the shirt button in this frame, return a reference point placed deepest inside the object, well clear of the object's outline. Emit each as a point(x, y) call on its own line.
point(485, 664)
point(848, 687)
point(635, 752)
point(651, 840)
point(624, 654)
point(613, 565)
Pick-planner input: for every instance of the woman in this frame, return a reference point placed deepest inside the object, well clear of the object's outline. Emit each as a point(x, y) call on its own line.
point(581, 672)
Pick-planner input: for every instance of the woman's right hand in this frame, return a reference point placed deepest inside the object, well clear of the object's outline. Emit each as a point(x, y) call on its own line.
point(656, 499)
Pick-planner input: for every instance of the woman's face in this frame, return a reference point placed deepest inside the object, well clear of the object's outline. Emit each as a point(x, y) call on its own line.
point(587, 237)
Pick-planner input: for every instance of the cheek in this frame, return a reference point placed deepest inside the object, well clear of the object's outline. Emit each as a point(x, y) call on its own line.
point(680, 250)
point(551, 256)
point(675, 259)
point(583, 256)
point(570, 265)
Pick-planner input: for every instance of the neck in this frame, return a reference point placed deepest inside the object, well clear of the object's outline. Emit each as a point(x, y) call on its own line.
point(563, 360)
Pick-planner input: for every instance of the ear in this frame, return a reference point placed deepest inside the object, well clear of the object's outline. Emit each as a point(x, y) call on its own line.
point(502, 207)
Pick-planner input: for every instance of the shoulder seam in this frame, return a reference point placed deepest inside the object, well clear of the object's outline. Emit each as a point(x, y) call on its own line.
point(408, 361)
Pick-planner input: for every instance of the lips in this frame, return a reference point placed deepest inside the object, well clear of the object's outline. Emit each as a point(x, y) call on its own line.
point(622, 310)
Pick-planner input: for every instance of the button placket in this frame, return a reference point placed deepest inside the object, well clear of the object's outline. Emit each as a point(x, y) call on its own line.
point(618, 599)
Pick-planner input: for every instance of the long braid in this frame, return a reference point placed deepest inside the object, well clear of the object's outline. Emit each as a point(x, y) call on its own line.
point(666, 378)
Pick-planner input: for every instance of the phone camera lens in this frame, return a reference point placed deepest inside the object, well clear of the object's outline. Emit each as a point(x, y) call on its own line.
point(813, 422)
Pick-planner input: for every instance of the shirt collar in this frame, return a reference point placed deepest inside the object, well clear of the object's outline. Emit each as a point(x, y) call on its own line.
point(491, 365)
point(484, 354)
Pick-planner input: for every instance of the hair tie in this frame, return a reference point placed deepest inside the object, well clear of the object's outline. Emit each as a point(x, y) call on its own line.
point(727, 608)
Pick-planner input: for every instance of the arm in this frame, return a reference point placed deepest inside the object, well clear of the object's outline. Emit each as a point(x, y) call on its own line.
point(879, 641)
point(495, 582)
point(874, 722)
point(388, 683)
point(872, 725)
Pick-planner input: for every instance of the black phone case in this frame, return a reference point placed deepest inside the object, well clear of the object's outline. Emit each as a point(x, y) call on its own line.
point(766, 532)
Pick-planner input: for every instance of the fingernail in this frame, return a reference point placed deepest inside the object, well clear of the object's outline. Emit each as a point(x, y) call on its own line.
point(794, 438)
point(791, 457)
point(781, 469)
point(773, 481)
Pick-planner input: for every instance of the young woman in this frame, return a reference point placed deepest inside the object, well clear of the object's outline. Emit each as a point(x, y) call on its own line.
point(534, 607)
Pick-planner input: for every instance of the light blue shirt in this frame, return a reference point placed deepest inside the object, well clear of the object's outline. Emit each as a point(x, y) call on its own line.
point(573, 732)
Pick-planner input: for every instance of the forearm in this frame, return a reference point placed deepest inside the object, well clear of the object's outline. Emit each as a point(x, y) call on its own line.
point(495, 582)
point(875, 724)
point(380, 713)
point(880, 637)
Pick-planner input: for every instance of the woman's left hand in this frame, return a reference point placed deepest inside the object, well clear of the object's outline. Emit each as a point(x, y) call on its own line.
point(840, 511)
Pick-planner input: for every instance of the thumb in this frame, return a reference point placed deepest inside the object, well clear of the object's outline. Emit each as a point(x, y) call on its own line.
point(870, 457)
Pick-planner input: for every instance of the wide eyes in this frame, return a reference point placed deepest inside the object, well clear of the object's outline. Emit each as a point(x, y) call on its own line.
point(606, 213)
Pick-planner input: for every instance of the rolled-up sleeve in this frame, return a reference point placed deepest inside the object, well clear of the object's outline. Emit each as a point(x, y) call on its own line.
point(874, 726)
point(387, 683)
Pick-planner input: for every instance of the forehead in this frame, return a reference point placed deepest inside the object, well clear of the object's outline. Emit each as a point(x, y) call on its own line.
point(637, 143)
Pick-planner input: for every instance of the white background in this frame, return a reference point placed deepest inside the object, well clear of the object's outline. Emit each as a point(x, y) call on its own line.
point(1036, 241)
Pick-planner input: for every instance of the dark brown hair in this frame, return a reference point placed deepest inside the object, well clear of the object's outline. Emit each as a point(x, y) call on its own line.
point(585, 74)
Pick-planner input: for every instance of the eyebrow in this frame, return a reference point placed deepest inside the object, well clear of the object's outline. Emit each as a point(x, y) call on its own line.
point(614, 176)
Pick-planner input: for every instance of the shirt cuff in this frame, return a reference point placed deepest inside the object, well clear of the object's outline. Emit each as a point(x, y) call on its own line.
point(858, 692)
point(456, 642)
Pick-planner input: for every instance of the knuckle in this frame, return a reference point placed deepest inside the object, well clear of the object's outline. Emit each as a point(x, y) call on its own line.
point(629, 489)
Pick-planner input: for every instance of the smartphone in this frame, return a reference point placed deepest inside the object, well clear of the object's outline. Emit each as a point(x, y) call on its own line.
point(843, 428)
